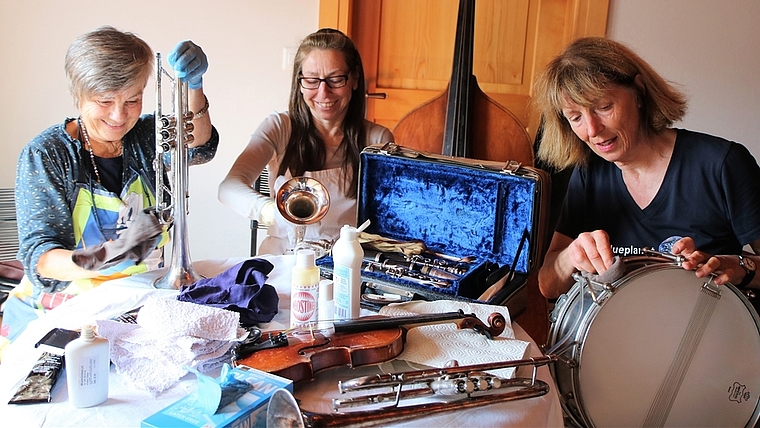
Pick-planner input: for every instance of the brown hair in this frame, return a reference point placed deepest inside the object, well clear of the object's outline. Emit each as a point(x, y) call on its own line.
point(106, 60)
point(306, 150)
point(583, 72)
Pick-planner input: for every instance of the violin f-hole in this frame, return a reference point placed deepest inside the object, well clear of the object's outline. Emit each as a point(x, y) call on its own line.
point(314, 345)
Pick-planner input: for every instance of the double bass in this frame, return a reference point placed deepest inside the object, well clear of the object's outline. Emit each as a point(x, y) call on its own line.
point(463, 121)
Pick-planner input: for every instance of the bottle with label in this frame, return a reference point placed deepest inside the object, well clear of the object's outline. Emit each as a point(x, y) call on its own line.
point(88, 362)
point(347, 256)
point(304, 290)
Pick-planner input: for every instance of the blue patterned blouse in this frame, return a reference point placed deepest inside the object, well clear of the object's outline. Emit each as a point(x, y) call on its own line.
point(48, 170)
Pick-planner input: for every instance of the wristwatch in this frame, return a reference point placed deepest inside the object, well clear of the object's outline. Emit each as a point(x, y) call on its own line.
point(749, 269)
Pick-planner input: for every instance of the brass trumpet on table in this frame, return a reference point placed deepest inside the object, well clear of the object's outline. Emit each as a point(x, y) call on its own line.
point(469, 382)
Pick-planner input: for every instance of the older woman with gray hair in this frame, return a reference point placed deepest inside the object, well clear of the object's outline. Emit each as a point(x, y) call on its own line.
point(639, 182)
point(83, 182)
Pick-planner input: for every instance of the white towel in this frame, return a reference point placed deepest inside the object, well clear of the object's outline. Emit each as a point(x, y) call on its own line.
point(170, 337)
point(438, 344)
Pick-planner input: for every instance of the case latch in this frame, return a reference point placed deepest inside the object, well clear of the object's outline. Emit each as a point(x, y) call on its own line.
point(511, 167)
point(389, 148)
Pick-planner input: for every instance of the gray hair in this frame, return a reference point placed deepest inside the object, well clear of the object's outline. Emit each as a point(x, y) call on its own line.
point(106, 60)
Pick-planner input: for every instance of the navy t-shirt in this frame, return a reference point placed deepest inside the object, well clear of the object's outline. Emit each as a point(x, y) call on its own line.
point(710, 192)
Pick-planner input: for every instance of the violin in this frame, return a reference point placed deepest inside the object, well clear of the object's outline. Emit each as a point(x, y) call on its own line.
point(354, 343)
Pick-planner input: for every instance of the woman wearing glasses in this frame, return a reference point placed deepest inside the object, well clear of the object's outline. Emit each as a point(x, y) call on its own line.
point(320, 136)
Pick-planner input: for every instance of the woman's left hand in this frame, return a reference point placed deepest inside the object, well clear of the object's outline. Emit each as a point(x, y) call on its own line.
point(725, 267)
point(190, 62)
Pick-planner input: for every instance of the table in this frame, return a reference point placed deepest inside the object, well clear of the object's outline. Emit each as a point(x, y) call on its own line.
point(127, 406)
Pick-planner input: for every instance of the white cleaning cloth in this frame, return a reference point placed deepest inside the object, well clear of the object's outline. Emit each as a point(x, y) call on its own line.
point(436, 345)
point(169, 337)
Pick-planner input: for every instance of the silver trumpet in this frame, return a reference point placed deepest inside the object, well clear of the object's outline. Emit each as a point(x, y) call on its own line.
point(173, 134)
point(471, 384)
point(303, 201)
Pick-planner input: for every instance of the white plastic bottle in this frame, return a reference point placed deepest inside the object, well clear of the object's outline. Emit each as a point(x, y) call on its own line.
point(88, 362)
point(304, 290)
point(326, 308)
point(347, 256)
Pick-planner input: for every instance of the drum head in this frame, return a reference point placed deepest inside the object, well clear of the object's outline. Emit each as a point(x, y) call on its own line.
point(630, 350)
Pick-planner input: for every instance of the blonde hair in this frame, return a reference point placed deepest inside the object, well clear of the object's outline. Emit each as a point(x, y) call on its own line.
point(106, 60)
point(582, 73)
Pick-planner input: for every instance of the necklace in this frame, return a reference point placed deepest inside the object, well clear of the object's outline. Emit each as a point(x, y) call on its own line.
point(89, 148)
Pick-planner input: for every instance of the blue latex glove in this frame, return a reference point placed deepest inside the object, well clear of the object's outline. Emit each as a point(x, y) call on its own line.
point(189, 62)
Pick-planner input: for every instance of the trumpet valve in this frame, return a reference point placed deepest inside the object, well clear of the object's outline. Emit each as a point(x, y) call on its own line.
point(455, 386)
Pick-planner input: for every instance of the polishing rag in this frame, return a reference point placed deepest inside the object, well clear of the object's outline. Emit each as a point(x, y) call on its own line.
point(169, 337)
point(615, 272)
point(241, 288)
point(436, 345)
point(134, 243)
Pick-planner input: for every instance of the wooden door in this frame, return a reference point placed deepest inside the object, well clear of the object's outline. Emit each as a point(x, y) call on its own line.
point(407, 46)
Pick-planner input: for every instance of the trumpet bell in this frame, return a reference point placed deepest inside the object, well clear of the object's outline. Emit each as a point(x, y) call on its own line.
point(303, 200)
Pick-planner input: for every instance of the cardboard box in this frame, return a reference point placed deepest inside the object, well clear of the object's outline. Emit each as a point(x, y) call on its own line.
point(250, 410)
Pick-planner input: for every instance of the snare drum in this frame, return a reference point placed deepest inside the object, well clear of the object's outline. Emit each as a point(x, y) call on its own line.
point(657, 348)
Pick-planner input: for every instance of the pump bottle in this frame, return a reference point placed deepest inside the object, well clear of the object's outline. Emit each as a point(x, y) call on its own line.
point(347, 256)
point(88, 362)
point(304, 290)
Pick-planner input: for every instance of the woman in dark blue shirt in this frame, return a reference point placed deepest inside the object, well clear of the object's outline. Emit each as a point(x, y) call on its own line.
point(638, 182)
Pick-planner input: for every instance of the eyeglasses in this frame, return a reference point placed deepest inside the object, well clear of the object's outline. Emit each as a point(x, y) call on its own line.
point(333, 82)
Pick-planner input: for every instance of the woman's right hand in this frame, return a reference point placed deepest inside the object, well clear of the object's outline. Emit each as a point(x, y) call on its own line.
point(591, 252)
point(267, 214)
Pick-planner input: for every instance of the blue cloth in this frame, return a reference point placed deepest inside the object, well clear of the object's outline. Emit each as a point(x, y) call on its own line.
point(48, 170)
point(241, 288)
point(710, 192)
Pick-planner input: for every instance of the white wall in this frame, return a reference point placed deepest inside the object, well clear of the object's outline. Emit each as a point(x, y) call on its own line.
point(244, 41)
point(710, 47)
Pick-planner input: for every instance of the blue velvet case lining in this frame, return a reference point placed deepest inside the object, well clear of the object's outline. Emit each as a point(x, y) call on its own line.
point(454, 209)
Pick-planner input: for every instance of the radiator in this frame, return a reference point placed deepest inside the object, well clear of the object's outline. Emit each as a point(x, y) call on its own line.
point(8, 230)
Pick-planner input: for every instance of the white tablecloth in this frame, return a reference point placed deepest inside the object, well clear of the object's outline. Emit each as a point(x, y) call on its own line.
point(127, 407)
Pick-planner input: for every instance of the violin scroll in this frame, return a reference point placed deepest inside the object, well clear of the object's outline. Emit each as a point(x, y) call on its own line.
point(496, 324)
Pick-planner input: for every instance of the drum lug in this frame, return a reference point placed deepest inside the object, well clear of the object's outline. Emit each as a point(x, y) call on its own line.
point(559, 304)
